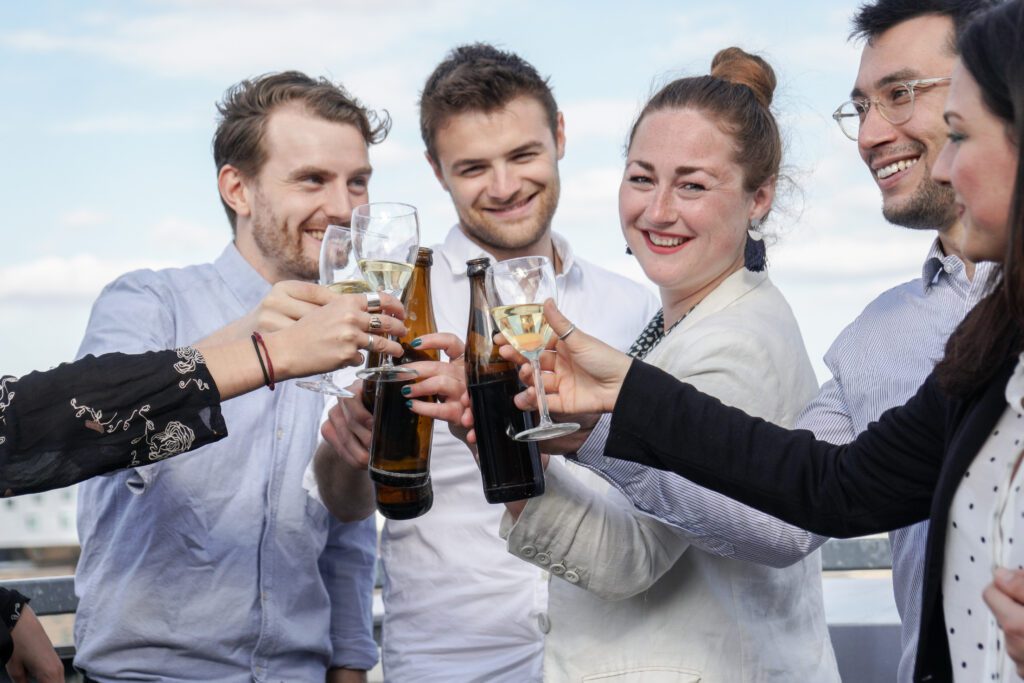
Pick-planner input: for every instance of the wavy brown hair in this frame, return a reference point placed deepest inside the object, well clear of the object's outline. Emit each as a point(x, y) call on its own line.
point(992, 51)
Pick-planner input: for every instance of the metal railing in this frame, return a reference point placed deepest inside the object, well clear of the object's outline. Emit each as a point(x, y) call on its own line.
point(56, 595)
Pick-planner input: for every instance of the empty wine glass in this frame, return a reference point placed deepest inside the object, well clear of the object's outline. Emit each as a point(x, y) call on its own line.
point(521, 286)
point(339, 272)
point(386, 239)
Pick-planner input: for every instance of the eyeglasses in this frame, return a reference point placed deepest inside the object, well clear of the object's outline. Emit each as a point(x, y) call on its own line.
point(895, 104)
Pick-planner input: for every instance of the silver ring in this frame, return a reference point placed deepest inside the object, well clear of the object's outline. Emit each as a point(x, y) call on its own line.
point(572, 328)
point(375, 323)
point(369, 342)
point(373, 302)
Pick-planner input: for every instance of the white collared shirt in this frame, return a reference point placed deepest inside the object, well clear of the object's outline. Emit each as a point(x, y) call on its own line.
point(457, 606)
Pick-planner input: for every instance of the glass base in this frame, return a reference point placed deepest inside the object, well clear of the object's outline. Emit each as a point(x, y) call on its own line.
point(385, 373)
point(552, 431)
point(323, 386)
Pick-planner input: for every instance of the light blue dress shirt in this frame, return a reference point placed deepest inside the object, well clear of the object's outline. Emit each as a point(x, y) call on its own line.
point(877, 362)
point(216, 566)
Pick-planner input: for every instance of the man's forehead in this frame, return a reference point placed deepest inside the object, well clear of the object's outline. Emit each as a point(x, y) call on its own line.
point(292, 131)
point(916, 48)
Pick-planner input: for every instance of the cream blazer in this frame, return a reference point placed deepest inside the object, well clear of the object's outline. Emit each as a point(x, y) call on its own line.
point(642, 604)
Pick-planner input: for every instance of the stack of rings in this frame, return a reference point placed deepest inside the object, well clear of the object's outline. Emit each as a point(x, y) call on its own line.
point(373, 307)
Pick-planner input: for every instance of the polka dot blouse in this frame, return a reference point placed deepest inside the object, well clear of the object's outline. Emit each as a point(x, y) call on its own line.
point(986, 530)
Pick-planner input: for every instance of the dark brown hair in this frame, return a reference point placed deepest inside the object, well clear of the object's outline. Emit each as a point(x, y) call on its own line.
point(479, 78)
point(875, 18)
point(247, 105)
point(738, 95)
point(992, 51)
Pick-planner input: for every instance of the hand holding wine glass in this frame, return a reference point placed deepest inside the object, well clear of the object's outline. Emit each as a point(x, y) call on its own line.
point(386, 239)
point(339, 272)
point(521, 286)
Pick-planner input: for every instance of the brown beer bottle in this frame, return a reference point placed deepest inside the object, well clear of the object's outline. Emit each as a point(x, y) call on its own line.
point(400, 445)
point(396, 502)
point(511, 469)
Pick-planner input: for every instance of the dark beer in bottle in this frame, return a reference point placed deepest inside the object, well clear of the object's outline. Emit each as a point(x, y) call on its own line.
point(396, 502)
point(511, 469)
point(400, 445)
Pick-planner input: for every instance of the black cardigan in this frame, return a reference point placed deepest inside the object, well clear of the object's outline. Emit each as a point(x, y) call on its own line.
point(903, 469)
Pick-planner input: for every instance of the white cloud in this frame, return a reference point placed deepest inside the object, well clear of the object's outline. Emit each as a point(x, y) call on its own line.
point(129, 123)
point(224, 40)
point(83, 217)
point(605, 119)
point(56, 280)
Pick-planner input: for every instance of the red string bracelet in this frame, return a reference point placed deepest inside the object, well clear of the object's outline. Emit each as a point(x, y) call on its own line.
point(268, 369)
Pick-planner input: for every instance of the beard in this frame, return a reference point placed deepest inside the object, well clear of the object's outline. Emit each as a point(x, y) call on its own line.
point(930, 207)
point(279, 247)
point(518, 236)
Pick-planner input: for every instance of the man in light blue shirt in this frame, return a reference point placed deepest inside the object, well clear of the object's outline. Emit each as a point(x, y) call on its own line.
point(219, 567)
point(879, 360)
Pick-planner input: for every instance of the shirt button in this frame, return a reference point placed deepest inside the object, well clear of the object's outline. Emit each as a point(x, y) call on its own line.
point(557, 569)
point(527, 551)
point(948, 268)
point(572, 577)
point(543, 623)
point(543, 558)
point(280, 434)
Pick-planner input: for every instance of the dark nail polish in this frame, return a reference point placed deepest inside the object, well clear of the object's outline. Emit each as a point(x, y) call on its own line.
point(408, 404)
point(416, 342)
point(406, 391)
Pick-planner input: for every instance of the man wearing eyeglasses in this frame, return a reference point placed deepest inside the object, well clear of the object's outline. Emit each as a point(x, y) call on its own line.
point(879, 361)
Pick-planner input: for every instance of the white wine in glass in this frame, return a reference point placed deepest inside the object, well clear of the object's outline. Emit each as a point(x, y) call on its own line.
point(386, 240)
point(521, 286)
point(339, 272)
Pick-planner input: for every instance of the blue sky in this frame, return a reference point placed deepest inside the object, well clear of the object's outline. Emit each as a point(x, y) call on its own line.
point(108, 112)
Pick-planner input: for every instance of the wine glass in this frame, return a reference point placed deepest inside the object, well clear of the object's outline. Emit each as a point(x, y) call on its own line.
point(339, 272)
point(521, 286)
point(386, 239)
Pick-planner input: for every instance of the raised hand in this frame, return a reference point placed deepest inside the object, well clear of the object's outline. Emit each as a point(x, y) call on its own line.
point(444, 380)
point(581, 373)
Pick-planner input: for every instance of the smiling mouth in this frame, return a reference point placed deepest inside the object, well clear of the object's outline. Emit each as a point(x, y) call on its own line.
point(895, 167)
point(318, 235)
point(666, 241)
point(509, 208)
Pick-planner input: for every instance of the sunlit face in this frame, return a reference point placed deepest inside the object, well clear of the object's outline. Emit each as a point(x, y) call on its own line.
point(682, 205)
point(501, 170)
point(900, 157)
point(316, 171)
point(980, 162)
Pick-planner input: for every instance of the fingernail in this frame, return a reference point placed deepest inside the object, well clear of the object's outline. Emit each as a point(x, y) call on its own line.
point(406, 391)
point(408, 404)
point(1003, 574)
point(416, 342)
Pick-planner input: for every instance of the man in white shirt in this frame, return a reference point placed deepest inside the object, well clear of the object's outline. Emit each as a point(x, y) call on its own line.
point(458, 607)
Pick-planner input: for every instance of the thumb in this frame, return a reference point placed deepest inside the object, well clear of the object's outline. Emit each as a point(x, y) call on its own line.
point(561, 325)
point(308, 291)
point(1010, 582)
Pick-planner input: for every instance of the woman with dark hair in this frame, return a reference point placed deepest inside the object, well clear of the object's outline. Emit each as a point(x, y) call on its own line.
point(110, 412)
point(951, 454)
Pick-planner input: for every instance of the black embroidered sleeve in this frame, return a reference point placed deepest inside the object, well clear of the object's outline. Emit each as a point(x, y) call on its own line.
point(11, 603)
point(104, 413)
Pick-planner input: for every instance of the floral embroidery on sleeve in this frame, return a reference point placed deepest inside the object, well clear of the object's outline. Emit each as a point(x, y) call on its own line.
point(189, 358)
point(6, 396)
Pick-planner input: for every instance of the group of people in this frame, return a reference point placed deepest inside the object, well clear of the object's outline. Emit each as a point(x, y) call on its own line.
point(254, 559)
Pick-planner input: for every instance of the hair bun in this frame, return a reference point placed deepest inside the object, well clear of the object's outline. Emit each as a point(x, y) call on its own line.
point(742, 68)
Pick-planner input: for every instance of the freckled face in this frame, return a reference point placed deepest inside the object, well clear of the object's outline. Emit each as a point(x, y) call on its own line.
point(682, 205)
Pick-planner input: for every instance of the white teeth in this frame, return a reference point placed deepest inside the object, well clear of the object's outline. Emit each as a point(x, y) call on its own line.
point(895, 167)
point(666, 241)
point(317, 234)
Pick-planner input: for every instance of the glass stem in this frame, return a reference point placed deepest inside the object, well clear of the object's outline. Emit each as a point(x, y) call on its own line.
point(388, 362)
point(542, 399)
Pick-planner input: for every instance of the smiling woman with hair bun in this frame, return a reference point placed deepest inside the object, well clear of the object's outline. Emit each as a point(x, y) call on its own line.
point(737, 596)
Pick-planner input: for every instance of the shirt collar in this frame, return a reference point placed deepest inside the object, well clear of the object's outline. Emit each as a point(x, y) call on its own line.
point(938, 263)
point(458, 249)
point(245, 283)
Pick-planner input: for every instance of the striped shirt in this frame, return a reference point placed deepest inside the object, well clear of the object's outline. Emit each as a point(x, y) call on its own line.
point(877, 362)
